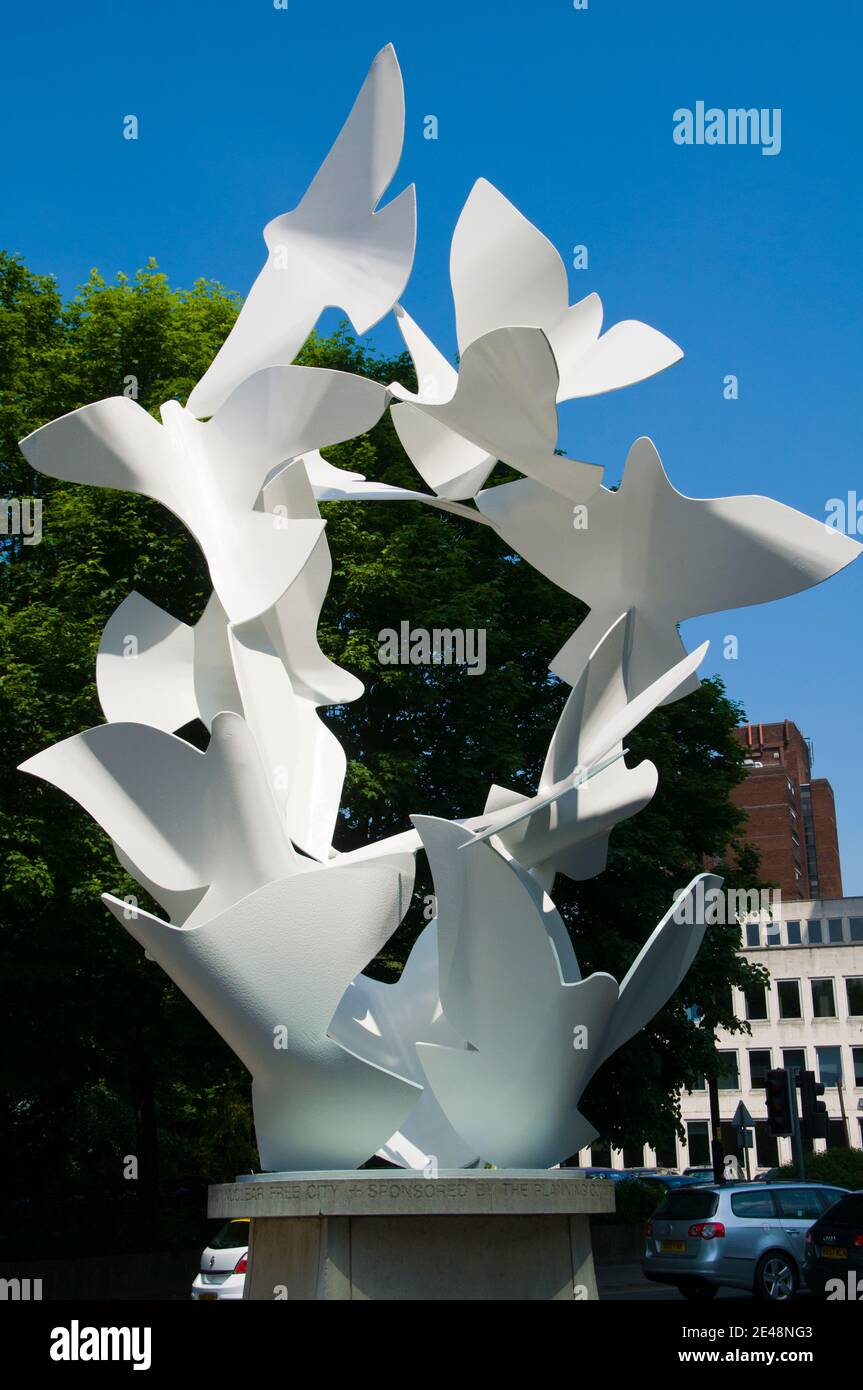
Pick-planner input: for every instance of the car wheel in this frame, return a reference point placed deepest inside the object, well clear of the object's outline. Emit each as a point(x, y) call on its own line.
point(776, 1278)
point(698, 1290)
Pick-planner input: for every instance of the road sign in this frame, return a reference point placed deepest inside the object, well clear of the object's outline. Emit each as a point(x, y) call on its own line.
point(742, 1118)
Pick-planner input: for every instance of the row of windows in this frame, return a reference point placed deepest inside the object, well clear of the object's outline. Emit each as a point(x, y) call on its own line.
point(828, 1066)
point(832, 931)
point(789, 1000)
point(697, 1148)
point(766, 1145)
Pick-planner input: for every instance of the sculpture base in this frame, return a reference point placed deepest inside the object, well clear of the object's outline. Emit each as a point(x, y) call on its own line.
point(402, 1235)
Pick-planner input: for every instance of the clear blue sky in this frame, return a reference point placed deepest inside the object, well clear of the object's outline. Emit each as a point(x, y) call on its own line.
point(751, 263)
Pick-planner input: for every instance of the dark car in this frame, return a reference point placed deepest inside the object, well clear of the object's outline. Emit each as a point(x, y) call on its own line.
point(834, 1250)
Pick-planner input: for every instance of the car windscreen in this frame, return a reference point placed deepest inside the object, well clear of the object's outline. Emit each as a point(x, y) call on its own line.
point(847, 1211)
point(688, 1204)
point(232, 1236)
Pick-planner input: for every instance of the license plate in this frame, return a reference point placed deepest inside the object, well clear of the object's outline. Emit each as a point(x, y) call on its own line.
point(673, 1247)
point(208, 1298)
point(834, 1252)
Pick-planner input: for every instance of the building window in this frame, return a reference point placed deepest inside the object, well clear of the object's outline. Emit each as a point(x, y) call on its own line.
point(756, 1003)
point(856, 928)
point(854, 989)
point(772, 935)
point(823, 999)
point(698, 1144)
point(829, 1065)
point(814, 933)
point(665, 1149)
point(600, 1155)
point(834, 931)
point(728, 1076)
point(633, 1157)
point(694, 1013)
point(793, 933)
point(759, 1065)
point(857, 1054)
point(794, 1057)
point(789, 999)
point(836, 1136)
point(753, 933)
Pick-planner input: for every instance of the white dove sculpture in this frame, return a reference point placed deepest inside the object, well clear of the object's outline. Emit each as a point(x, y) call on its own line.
point(271, 670)
point(335, 248)
point(482, 1049)
point(664, 557)
point(504, 273)
point(332, 484)
point(189, 826)
point(263, 940)
point(566, 825)
point(268, 974)
point(503, 402)
point(382, 1024)
point(210, 475)
point(533, 1031)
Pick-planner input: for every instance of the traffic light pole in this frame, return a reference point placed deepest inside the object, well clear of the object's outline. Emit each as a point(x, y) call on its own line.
point(717, 1157)
point(796, 1131)
point(845, 1124)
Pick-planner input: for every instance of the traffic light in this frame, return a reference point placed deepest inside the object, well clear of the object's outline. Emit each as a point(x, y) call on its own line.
point(814, 1111)
point(778, 1102)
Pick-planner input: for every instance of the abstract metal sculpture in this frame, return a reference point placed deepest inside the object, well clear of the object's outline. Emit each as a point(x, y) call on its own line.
point(482, 1049)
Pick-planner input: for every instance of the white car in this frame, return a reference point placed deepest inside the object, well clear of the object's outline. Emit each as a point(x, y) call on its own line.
point(223, 1263)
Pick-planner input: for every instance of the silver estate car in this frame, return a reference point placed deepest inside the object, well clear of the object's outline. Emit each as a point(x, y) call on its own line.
point(741, 1235)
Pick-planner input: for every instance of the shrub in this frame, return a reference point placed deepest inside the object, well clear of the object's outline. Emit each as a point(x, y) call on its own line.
point(839, 1167)
point(634, 1203)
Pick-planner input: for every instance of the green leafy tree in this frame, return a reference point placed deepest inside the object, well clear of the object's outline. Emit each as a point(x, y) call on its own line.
point(98, 1047)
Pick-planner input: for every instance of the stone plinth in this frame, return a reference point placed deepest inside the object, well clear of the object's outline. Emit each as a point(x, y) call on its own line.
point(462, 1235)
